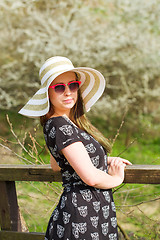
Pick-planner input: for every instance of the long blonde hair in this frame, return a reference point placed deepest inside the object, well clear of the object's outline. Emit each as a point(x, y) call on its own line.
point(79, 118)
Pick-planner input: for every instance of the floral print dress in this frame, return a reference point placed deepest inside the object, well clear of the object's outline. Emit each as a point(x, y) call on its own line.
point(83, 212)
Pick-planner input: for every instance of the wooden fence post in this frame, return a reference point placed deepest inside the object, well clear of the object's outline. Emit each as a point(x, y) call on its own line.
point(9, 210)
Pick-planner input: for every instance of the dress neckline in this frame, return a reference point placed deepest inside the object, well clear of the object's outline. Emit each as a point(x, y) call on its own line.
point(66, 118)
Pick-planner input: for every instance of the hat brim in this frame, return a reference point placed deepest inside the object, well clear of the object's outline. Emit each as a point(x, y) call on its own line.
point(92, 86)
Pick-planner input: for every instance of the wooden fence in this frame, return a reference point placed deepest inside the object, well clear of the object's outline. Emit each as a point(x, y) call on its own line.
point(10, 223)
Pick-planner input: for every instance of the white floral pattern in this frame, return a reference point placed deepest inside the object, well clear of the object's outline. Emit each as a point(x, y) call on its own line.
point(67, 130)
point(86, 194)
point(107, 197)
point(105, 210)
point(95, 236)
point(74, 199)
point(96, 206)
point(67, 175)
point(55, 214)
point(66, 217)
point(52, 133)
point(105, 160)
point(95, 160)
point(114, 222)
point(48, 124)
point(78, 228)
point(113, 206)
point(60, 231)
point(113, 236)
point(94, 221)
point(85, 136)
point(104, 228)
point(63, 202)
point(54, 152)
point(90, 148)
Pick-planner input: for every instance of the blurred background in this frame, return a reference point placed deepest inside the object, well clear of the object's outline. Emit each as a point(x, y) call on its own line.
point(121, 39)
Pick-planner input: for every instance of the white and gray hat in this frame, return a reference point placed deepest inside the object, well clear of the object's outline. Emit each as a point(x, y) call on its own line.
point(92, 85)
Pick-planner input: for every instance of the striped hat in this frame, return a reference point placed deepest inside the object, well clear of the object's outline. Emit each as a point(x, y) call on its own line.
point(92, 85)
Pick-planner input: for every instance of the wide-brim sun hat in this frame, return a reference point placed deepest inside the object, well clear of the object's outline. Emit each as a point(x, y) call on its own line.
point(92, 85)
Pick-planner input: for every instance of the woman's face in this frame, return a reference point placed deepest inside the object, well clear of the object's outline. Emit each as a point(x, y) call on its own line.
point(63, 102)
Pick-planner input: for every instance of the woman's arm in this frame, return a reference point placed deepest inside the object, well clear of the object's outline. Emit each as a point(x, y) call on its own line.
point(54, 164)
point(79, 159)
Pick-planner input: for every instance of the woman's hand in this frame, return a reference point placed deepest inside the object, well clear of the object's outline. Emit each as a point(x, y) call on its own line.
point(116, 168)
point(54, 164)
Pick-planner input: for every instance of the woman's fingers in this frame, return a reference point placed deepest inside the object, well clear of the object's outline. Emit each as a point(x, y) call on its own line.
point(125, 161)
point(116, 162)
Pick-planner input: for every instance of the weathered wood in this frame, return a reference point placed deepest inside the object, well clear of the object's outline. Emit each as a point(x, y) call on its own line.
point(5, 221)
point(9, 235)
point(9, 210)
point(144, 174)
point(149, 174)
point(28, 173)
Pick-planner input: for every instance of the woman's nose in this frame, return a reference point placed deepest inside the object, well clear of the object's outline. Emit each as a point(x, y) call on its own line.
point(67, 90)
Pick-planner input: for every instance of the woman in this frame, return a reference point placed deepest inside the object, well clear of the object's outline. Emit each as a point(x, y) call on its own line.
point(86, 208)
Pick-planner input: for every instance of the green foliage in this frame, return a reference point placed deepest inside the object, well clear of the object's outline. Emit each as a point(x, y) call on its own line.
point(138, 152)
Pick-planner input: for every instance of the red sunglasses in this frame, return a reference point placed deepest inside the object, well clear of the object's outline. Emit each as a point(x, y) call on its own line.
point(60, 87)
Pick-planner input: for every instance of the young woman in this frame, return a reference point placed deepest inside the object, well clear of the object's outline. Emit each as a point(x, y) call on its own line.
point(86, 208)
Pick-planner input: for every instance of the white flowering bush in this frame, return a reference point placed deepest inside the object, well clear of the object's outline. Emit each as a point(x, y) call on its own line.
point(120, 38)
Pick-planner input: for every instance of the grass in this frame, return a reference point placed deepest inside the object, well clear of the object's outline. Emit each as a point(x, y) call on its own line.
point(138, 152)
point(136, 211)
point(37, 201)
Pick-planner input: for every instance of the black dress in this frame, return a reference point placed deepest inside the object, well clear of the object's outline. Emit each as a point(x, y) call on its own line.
point(83, 212)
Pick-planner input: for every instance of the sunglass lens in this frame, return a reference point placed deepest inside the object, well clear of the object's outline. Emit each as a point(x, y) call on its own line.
point(59, 89)
point(74, 86)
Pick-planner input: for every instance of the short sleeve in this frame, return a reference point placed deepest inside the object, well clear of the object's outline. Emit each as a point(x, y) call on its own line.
point(60, 132)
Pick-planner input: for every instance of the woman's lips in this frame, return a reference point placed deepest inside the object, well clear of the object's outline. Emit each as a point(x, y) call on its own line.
point(68, 100)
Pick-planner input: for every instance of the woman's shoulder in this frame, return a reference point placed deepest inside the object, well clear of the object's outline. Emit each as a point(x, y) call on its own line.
point(57, 121)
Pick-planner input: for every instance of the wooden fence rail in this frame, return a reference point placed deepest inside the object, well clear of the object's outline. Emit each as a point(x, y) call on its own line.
point(10, 223)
